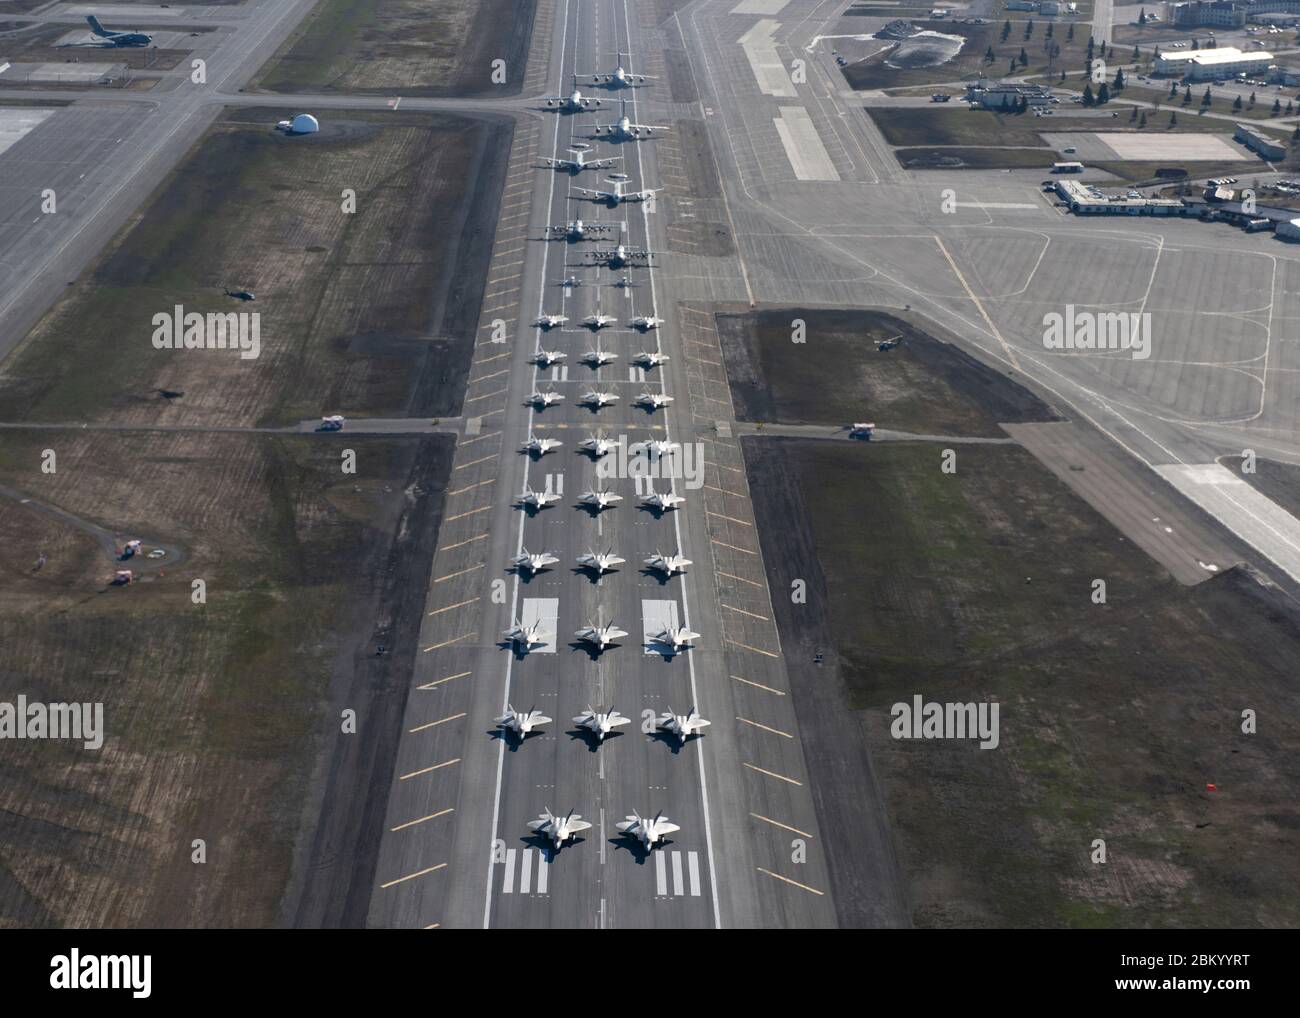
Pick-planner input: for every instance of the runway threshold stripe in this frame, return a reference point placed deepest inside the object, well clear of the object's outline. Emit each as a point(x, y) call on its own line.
point(752, 615)
point(759, 685)
point(439, 682)
point(777, 823)
point(774, 731)
point(435, 724)
point(793, 883)
point(431, 816)
point(773, 774)
point(412, 876)
point(429, 770)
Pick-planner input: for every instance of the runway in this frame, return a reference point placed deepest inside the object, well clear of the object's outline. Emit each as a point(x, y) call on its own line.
point(748, 853)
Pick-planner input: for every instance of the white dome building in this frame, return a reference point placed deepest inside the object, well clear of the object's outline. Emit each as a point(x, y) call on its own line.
point(304, 123)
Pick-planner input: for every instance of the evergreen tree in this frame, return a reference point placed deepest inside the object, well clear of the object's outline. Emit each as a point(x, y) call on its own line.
point(1063, 82)
point(1103, 94)
point(1142, 16)
point(988, 55)
point(1137, 55)
point(1133, 114)
point(1006, 30)
point(1087, 95)
point(1029, 28)
point(1236, 103)
point(1187, 93)
point(1119, 80)
point(1173, 89)
point(1142, 120)
point(1195, 44)
point(1288, 107)
point(1173, 118)
point(1252, 99)
point(1277, 107)
point(1069, 33)
point(1048, 31)
point(1011, 69)
point(1023, 58)
point(1206, 99)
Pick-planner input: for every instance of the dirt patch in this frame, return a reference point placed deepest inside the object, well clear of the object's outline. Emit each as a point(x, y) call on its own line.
point(839, 374)
point(699, 168)
point(712, 240)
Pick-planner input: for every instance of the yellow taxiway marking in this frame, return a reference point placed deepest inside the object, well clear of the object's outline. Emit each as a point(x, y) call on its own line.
point(412, 876)
point(745, 646)
point(462, 572)
point(724, 544)
point(759, 685)
point(777, 823)
point(774, 731)
point(434, 926)
point(427, 770)
point(476, 462)
point(468, 540)
point(470, 512)
point(447, 643)
point(773, 774)
point(733, 519)
point(458, 604)
point(487, 395)
point(487, 360)
point(484, 378)
point(734, 494)
point(435, 724)
point(752, 615)
point(795, 883)
point(439, 682)
point(431, 816)
point(1011, 356)
point(471, 487)
point(733, 576)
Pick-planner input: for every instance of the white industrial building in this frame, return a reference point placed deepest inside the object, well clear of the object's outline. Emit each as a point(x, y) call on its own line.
point(1085, 200)
point(1265, 145)
point(1212, 64)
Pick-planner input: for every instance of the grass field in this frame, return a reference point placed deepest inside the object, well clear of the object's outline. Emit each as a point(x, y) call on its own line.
point(922, 385)
point(405, 47)
point(974, 587)
point(370, 312)
point(215, 713)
